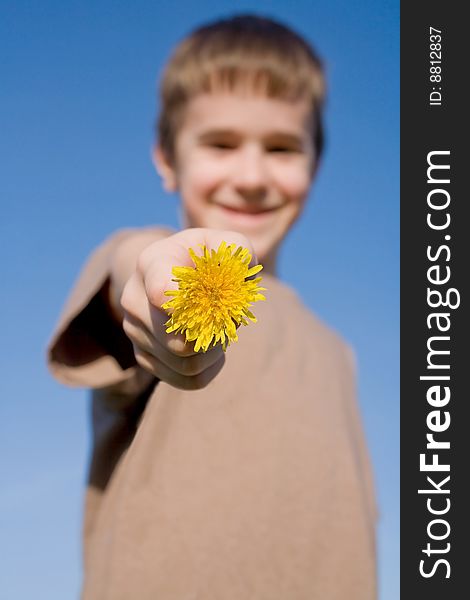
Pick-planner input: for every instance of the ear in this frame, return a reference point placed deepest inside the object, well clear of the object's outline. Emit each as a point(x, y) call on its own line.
point(164, 168)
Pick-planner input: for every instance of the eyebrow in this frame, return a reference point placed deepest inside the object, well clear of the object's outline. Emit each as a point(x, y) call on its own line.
point(284, 137)
point(270, 137)
point(215, 133)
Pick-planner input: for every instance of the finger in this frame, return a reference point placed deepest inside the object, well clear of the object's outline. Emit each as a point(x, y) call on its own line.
point(157, 261)
point(155, 265)
point(212, 238)
point(142, 338)
point(135, 304)
point(185, 382)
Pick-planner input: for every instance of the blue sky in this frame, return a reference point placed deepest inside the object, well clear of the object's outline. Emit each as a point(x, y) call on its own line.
point(77, 109)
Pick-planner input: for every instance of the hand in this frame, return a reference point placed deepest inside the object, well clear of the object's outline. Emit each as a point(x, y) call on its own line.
point(167, 356)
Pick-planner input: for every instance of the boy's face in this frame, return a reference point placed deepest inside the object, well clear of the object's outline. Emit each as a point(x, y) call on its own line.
point(243, 162)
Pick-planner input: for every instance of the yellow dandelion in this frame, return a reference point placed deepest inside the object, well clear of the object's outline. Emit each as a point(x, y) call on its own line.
point(213, 297)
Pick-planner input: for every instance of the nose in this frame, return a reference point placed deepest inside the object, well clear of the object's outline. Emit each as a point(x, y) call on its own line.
point(250, 175)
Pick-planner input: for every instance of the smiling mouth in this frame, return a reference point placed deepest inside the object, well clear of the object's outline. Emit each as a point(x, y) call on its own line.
point(249, 211)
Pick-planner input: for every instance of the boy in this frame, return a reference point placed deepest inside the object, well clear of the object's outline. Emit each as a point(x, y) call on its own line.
point(221, 475)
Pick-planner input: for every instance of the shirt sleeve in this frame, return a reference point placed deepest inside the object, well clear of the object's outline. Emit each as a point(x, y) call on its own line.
point(88, 348)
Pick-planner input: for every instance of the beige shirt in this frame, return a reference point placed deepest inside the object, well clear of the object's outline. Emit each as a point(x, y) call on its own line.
point(257, 487)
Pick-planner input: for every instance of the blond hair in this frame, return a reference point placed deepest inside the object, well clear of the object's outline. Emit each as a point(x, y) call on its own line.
point(242, 51)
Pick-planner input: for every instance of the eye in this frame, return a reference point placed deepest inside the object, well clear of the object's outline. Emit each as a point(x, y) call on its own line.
point(284, 144)
point(279, 149)
point(221, 145)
